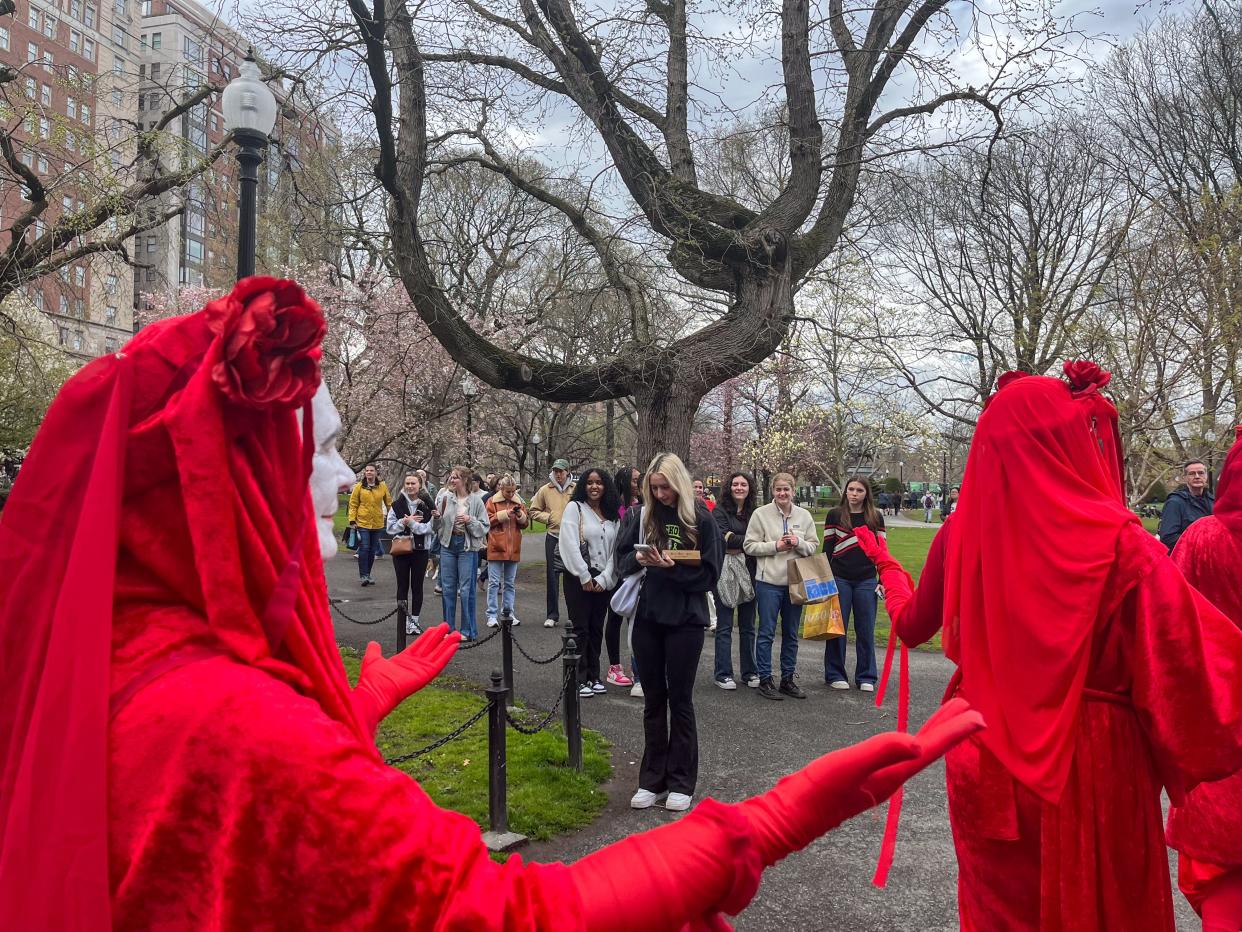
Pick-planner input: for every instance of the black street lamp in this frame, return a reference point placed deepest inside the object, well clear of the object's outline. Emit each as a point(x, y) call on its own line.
point(469, 388)
point(249, 114)
point(535, 438)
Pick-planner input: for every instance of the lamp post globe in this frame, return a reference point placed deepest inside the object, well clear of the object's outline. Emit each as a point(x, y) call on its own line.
point(249, 114)
point(535, 439)
point(469, 388)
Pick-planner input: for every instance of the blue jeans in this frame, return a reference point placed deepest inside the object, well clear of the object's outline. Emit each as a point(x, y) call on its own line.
point(458, 570)
point(724, 638)
point(857, 599)
point(772, 601)
point(368, 547)
point(498, 572)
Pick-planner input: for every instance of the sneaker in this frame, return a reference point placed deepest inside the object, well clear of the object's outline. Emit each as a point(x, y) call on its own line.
point(585, 691)
point(790, 688)
point(599, 687)
point(617, 677)
point(645, 799)
point(549, 622)
point(767, 689)
point(727, 683)
point(492, 622)
point(513, 621)
point(410, 624)
point(364, 581)
point(867, 687)
point(839, 684)
point(439, 589)
point(636, 691)
point(753, 681)
point(678, 802)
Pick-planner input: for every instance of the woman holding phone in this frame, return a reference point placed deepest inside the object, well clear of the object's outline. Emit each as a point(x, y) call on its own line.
point(506, 514)
point(670, 622)
point(410, 517)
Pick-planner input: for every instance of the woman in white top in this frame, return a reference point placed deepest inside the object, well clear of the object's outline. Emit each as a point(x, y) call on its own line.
point(588, 539)
point(410, 517)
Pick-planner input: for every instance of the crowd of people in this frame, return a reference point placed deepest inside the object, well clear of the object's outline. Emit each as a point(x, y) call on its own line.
point(181, 747)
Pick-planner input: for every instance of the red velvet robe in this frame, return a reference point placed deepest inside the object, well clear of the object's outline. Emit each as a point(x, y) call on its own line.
point(1096, 859)
point(1204, 829)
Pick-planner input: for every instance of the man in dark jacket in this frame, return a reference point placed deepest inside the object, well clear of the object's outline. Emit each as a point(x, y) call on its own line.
point(1186, 505)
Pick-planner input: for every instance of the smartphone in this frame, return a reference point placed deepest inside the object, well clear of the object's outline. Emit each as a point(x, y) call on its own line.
point(644, 548)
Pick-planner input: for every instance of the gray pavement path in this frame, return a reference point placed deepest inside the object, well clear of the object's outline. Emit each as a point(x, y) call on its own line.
point(746, 744)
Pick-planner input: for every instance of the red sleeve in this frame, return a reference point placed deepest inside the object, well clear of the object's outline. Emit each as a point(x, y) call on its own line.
point(237, 803)
point(922, 616)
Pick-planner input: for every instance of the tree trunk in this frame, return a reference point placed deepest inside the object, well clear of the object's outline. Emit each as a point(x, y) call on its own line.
point(665, 416)
point(727, 418)
point(610, 433)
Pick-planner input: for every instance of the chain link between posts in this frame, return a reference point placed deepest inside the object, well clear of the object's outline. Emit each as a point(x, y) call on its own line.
point(521, 650)
point(440, 742)
point(527, 729)
point(336, 608)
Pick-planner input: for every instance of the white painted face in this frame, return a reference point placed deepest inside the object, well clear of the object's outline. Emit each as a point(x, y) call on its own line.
point(329, 474)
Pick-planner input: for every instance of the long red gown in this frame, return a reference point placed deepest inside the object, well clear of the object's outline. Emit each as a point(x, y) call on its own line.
point(1096, 859)
point(1204, 828)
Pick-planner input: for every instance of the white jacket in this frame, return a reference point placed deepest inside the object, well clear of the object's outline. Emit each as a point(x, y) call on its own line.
point(766, 527)
point(579, 523)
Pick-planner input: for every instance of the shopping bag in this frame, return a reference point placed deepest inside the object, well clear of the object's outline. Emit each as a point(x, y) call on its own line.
point(822, 621)
point(811, 579)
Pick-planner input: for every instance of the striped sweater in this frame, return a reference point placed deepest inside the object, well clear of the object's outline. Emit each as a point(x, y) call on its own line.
point(847, 559)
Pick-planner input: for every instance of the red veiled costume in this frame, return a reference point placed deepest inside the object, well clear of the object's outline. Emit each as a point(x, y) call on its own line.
point(180, 745)
point(1204, 829)
point(1102, 674)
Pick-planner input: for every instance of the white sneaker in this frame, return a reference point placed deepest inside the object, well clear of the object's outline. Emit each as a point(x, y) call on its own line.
point(549, 622)
point(867, 687)
point(585, 691)
point(636, 691)
point(410, 624)
point(839, 684)
point(599, 687)
point(645, 799)
point(513, 620)
point(678, 802)
point(753, 681)
point(727, 683)
point(492, 622)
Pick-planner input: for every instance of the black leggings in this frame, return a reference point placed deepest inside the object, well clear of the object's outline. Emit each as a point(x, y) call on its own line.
point(669, 655)
point(411, 568)
point(586, 612)
point(612, 637)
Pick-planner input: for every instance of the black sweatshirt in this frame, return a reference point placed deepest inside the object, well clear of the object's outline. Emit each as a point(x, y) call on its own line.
point(676, 595)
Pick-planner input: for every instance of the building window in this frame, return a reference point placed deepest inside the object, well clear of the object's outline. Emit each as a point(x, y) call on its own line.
point(117, 97)
point(43, 164)
point(75, 9)
point(110, 315)
point(157, 40)
point(151, 243)
point(146, 7)
point(32, 53)
point(4, 39)
point(86, 114)
point(79, 276)
point(193, 250)
point(49, 27)
point(32, 19)
point(119, 6)
point(71, 107)
point(150, 274)
point(66, 204)
point(64, 306)
point(37, 298)
point(62, 333)
point(45, 96)
point(118, 36)
point(28, 159)
point(79, 309)
point(88, 49)
point(77, 340)
point(192, 49)
point(110, 342)
point(142, 102)
point(110, 285)
point(48, 61)
point(89, 19)
point(31, 88)
point(155, 71)
point(44, 128)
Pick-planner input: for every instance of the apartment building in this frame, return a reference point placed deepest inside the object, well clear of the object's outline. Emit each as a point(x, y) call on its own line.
point(94, 73)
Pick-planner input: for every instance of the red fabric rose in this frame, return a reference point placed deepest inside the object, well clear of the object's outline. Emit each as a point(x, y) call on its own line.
point(270, 334)
point(1084, 376)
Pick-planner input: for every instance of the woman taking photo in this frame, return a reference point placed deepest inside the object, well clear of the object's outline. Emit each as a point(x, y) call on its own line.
point(410, 518)
point(588, 540)
point(368, 502)
point(732, 515)
point(856, 582)
point(669, 625)
point(460, 523)
point(627, 482)
point(778, 532)
point(506, 515)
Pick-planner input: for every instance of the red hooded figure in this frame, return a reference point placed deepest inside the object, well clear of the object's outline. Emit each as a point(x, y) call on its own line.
point(180, 746)
point(1102, 674)
point(1204, 829)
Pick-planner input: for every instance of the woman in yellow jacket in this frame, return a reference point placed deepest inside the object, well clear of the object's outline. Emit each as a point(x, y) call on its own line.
point(368, 504)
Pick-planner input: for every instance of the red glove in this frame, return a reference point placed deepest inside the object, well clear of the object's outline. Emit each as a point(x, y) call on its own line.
point(384, 683)
point(685, 873)
point(898, 584)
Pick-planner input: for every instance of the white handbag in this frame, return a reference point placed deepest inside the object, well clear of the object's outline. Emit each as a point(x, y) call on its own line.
point(625, 600)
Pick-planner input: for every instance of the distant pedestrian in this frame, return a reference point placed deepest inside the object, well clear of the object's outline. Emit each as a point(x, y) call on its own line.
point(732, 516)
point(506, 515)
point(460, 522)
point(929, 505)
point(948, 503)
point(777, 533)
point(700, 494)
point(410, 517)
point(856, 584)
point(546, 506)
point(1187, 504)
point(368, 503)
point(669, 625)
point(587, 549)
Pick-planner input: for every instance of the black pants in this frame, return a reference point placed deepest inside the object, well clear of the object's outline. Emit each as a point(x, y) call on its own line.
point(411, 568)
point(612, 637)
point(669, 655)
point(587, 611)
point(550, 543)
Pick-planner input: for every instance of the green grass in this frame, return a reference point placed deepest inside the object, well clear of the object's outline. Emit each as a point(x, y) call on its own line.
point(546, 796)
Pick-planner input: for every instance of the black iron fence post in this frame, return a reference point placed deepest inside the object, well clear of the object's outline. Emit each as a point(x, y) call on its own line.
point(498, 837)
point(401, 610)
point(506, 642)
point(573, 715)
